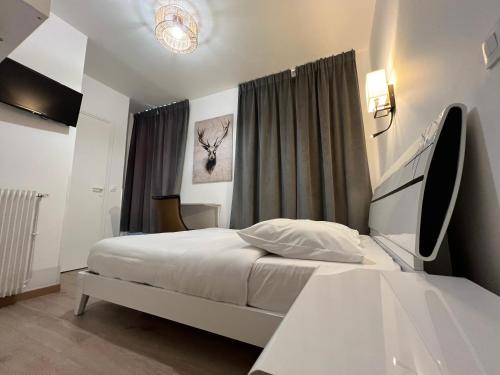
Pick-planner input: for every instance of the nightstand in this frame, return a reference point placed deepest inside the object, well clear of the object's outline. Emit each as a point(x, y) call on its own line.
point(371, 322)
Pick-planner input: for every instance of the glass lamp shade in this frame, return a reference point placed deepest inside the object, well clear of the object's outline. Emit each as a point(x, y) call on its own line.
point(176, 28)
point(377, 93)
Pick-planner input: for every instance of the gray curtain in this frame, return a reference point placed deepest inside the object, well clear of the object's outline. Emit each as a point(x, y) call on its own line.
point(155, 163)
point(300, 148)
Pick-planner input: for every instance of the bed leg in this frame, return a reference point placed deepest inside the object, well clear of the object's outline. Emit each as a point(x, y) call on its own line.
point(81, 298)
point(81, 303)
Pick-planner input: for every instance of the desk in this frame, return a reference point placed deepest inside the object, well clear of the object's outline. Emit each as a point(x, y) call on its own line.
point(200, 215)
point(371, 322)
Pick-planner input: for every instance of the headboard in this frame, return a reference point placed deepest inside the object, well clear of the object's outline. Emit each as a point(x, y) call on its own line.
point(411, 208)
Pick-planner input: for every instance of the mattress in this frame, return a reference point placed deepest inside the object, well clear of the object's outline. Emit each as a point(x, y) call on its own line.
point(212, 263)
point(217, 264)
point(275, 282)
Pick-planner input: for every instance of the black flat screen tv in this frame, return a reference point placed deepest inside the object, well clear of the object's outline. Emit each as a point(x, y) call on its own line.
point(27, 89)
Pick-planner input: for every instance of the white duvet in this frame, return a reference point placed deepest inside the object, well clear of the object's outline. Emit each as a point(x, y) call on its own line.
point(209, 263)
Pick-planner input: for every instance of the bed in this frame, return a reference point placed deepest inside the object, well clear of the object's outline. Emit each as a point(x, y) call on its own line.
point(213, 280)
point(209, 278)
point(223, 269)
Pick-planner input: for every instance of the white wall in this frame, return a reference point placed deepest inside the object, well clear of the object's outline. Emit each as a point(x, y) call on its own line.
point(38, 154)
point(56, 49)
point(41, 5)
point(222, 103)
point(363, 64)
point(433, 51)
point(102, 101)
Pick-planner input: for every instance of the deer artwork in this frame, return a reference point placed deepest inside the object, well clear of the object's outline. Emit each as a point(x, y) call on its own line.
point(211, 149)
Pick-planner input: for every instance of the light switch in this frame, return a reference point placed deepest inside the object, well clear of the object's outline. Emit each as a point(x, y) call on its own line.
point(491, 47)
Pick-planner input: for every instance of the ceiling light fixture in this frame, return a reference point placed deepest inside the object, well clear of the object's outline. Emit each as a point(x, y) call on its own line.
point(176, 27)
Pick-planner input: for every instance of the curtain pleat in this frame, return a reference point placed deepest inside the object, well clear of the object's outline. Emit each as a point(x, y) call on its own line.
point(155, 163)
point(300, 149)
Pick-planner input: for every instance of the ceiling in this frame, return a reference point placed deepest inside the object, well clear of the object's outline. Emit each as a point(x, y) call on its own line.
point(239, 40)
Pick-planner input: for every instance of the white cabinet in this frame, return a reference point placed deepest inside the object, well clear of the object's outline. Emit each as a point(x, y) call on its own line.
point(370, 322)
point(18, 19)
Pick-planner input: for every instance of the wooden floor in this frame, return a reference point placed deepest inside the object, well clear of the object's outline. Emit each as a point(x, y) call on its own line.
point(41, 336)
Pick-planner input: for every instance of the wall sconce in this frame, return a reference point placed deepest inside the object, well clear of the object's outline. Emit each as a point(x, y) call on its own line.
point(380, 97)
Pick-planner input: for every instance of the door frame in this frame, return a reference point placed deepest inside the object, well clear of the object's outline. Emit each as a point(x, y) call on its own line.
point(109, 160)
point(109, 163)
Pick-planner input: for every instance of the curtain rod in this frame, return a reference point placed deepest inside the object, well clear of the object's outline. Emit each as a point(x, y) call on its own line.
point(293, 69)
point(161, 106)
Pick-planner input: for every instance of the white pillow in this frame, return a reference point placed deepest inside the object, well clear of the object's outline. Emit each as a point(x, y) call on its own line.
point(306, 239)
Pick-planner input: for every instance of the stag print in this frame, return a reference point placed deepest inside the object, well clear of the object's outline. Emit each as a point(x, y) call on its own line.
point(213, 150)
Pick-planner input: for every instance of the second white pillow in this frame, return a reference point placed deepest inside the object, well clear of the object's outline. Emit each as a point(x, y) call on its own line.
point(306, 239)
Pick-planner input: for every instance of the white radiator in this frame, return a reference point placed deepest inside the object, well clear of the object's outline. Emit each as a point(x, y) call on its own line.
point(18, 220)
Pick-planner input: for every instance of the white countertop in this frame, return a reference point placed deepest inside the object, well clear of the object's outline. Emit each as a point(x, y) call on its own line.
point(371, 322)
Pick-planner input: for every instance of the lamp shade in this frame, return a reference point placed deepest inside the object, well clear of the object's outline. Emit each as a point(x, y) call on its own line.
point(176, 27)
point(377, 93)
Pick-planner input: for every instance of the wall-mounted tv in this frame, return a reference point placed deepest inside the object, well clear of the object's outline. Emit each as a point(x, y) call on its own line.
point(27, 89)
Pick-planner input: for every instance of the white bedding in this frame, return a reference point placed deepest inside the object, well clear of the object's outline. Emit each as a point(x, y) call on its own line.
point(218, 265)
point(275, 282)
point(209, 263)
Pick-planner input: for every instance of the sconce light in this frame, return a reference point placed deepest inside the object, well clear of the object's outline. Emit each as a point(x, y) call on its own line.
point(380, 97)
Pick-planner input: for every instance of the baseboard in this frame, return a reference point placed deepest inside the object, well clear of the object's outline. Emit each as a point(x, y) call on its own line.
point(40, 278)
point(6, 301)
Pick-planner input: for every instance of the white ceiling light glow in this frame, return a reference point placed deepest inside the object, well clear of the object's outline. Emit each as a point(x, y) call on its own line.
point(177, 27)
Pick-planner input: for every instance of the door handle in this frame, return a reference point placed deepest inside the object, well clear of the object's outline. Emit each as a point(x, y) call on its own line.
point(97, 189)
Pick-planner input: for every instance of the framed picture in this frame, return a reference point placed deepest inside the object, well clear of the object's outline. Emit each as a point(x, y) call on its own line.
point(213, 150)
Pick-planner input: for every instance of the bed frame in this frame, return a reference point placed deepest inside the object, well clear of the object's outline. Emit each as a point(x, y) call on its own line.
point(242, 323)
point(412, 207)
point(396, 212)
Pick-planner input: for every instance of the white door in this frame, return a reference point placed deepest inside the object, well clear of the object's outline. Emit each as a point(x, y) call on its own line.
point(84, 219)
